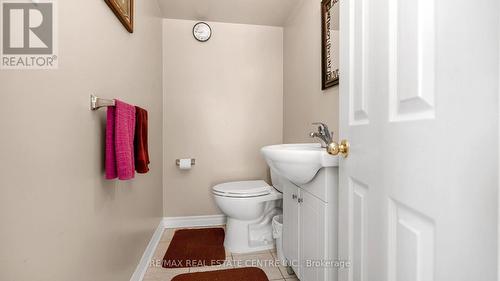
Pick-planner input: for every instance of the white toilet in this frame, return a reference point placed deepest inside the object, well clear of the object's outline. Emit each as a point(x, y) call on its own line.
point(250, 207)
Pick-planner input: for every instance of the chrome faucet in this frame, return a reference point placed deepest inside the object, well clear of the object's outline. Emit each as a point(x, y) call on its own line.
point(323, 134)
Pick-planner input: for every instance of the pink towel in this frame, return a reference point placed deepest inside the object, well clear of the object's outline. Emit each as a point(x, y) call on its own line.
point(110, 162)
point(120, 141)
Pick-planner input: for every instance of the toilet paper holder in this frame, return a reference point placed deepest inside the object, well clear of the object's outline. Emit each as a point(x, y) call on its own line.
point(178, 162)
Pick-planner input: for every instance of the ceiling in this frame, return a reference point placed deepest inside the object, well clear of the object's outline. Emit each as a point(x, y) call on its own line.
point(260, 12)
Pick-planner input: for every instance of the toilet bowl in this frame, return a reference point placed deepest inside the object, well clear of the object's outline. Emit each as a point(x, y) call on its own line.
point(250, 207)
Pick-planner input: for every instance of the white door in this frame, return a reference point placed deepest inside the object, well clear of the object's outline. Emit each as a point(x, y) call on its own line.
point(419, 106)
point(291, 224)
point(313, 247)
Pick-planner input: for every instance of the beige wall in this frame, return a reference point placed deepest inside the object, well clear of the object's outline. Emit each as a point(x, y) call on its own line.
point(60, 220)
point(304, 101)
point(222, 103)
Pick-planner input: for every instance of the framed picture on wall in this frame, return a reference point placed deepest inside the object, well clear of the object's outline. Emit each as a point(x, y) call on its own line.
point(329, 43)
point(124, 10)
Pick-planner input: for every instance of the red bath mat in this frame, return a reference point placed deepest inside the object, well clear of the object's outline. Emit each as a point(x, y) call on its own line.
point(195, 247)
point(238, 274)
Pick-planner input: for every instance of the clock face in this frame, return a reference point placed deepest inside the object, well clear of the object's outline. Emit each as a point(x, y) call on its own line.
point(202, 32)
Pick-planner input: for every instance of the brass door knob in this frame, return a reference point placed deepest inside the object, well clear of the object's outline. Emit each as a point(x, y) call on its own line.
point(335, 149)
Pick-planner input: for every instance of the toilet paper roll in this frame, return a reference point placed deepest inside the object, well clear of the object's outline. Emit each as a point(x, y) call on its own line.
point(185, 164)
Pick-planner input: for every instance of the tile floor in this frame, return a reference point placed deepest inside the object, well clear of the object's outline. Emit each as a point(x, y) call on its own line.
point(156, 272)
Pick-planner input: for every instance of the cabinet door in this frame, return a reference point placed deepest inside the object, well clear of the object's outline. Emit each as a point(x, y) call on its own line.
point(313, 243)
point(291, 224)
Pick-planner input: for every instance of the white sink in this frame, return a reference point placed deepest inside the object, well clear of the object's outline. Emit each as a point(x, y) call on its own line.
point(299, 163)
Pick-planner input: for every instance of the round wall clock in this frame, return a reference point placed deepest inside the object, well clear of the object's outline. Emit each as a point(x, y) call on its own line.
point(202, 32)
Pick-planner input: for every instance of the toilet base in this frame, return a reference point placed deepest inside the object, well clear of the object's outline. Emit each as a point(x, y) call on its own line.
point(248, 236)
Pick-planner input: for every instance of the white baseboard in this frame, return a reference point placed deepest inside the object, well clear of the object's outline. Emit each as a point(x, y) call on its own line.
point(172, 222)
point(142, 267)
point(193, 221)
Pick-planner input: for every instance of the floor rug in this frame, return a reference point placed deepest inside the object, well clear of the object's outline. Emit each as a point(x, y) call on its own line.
point(195, 247)
point(238, 274)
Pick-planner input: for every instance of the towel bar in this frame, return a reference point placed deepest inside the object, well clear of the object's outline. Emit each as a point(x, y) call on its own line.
point(96, 102)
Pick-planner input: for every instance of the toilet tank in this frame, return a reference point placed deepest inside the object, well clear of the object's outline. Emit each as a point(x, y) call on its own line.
point(276, 181)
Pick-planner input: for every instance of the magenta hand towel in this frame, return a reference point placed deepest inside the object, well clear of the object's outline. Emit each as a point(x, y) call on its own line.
point(110, 162)
point(120, 129)
point(124, 140)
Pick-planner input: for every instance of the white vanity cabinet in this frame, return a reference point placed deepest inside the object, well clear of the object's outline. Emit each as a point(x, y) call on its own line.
point(310, 226)
point(291, 224)
point(312, 237)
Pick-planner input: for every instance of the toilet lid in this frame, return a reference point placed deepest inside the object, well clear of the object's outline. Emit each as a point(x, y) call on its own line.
point(242, 189)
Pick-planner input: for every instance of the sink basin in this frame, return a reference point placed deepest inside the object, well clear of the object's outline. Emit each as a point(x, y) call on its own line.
point(299, 163)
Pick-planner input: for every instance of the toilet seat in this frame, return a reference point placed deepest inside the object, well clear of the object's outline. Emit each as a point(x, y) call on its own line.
point(242, 189)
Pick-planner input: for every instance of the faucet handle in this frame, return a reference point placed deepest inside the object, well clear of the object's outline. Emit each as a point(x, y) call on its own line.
point(321, 124)
point(323, 129)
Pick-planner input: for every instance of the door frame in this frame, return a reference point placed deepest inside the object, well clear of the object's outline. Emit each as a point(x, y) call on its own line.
point(498, 175)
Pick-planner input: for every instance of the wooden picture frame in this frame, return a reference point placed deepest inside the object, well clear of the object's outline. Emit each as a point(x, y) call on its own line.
point(124, 11)
point(329, 43)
